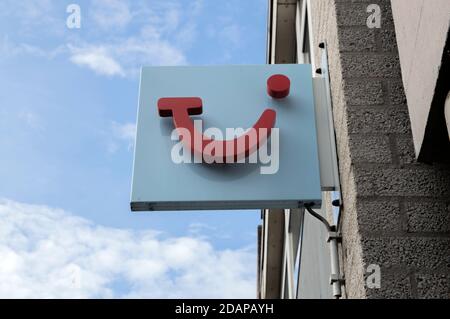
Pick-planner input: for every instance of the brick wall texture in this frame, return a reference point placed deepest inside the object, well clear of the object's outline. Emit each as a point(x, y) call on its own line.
point(396, 211)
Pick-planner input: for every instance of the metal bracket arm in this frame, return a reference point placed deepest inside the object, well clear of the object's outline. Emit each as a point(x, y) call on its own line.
point(334, 236)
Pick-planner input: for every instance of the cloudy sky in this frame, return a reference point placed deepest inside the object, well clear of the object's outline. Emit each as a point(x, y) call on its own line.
point(68, 102)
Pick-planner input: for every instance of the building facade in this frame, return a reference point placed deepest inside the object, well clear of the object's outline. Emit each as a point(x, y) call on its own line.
point(423, 42)
point(394, 220)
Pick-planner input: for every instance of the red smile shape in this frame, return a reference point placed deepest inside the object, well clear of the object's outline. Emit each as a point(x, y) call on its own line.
point(226, 151)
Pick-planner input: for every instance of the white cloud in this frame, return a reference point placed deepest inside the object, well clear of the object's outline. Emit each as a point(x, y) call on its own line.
point(197, 229)
point(96, 58)
point(109, 14)
point(231, 33)
point(160, 32)
point(9, 48)
point(31, 119)
point(125, 58)
point(125, 132)
point(31, 14)
point(135, 52)
point(150, 34)
point(49, 253)
point(36, 9)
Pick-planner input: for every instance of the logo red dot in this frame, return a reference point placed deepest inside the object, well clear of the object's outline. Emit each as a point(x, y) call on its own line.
point(278, 86)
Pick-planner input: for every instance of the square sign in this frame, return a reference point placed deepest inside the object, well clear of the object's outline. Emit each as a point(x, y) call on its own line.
point(225, 137)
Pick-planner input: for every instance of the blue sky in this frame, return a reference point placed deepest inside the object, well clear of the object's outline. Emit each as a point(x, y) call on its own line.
point(68, 102)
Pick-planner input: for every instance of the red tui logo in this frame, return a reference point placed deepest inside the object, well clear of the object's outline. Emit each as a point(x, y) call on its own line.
point(225, 151)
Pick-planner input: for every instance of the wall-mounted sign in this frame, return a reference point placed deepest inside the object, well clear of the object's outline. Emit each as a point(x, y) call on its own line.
point(225, 137)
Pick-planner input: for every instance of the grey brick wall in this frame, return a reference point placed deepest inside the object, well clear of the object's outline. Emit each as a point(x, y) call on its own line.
point(396, 211)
